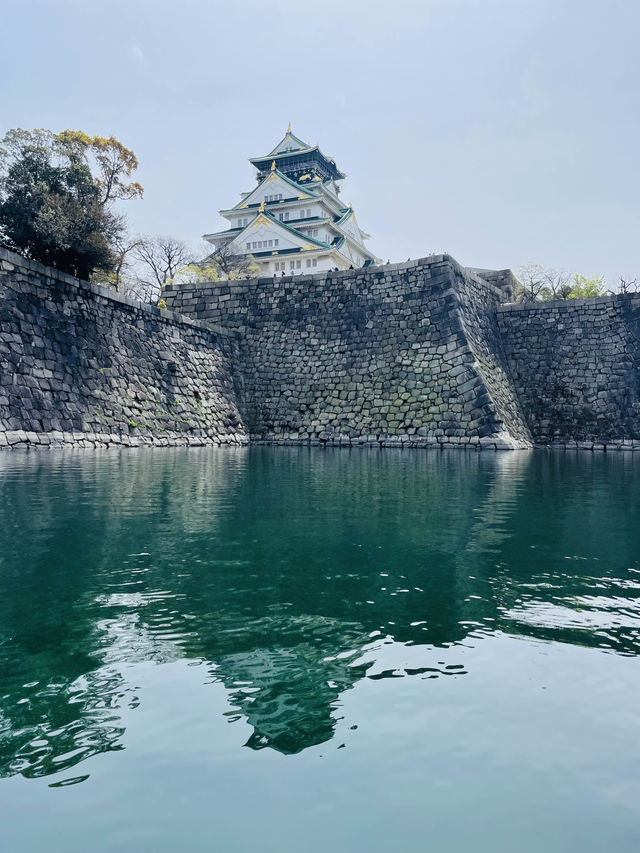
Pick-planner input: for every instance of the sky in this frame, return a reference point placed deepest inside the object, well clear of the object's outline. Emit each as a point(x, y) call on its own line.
point(503, 132)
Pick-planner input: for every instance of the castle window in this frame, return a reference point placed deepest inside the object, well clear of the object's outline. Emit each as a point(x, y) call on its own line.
point(292, 265)
point(298, 264)
point(248, 247)
point(276, 242)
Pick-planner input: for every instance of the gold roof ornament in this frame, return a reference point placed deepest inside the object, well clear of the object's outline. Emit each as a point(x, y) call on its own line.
point(273, 165)
point(261, 208)
point(289, 128)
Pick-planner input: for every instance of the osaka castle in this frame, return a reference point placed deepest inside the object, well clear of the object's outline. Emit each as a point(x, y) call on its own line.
point(294, 221)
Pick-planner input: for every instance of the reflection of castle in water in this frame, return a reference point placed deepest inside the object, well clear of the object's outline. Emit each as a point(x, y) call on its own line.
point(288, 694)
point(290, 593)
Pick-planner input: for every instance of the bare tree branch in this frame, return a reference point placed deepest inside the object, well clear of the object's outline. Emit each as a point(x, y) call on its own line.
point(627, 285)
point(230, 265)
point(531, 278)
point(123, 246)
point(162, 257)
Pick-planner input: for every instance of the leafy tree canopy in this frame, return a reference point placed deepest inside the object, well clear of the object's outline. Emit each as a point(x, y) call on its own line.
point(221, 264)
point(584, 286)
point(537, 283)
point(56, 197)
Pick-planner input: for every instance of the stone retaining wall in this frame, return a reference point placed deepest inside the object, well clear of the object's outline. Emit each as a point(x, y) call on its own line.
point(422, 354)
point(81, 365)
point(405, 354)
point(575, 366)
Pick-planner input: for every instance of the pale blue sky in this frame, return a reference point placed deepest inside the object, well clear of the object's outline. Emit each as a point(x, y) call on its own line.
point(501, 131)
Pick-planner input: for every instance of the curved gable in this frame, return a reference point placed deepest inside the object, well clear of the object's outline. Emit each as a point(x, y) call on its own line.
point(275, 184)
point(289, 142)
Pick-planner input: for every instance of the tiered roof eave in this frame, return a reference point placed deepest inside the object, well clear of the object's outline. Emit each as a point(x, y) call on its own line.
point(297, 152)
point(345, 239)
point(289, 135)
point(301, 190)
point(237, 233)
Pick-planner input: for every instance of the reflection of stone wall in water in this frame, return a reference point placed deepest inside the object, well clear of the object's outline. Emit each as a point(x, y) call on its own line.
point(190, 555)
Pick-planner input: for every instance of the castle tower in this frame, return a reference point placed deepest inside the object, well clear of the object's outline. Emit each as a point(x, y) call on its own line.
point(294, 221)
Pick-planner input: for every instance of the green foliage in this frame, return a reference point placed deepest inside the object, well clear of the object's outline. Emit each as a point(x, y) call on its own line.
point(585, 286)
point(56, 193)
point(547, 294)
point(197, 273)
point(537, 283)
point(111, 159)
point(216, 267)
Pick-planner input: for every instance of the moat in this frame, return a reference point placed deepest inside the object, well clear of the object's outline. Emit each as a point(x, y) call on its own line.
point(304, 649)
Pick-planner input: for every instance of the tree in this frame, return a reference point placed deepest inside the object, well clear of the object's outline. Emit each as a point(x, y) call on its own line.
point(110, 159)
point(209, 269)
point(53, 208)
point(221, 264)
point(198, 273)
point(123, 248)
point(539, 283)
point(230, 265)
point(585, 286)
point(160, 259)
point(627, 285)
point(556, 285)
point(122, 276)
point(531, 279)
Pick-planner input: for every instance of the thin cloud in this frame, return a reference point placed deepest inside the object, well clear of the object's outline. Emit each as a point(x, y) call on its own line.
point(136, 52)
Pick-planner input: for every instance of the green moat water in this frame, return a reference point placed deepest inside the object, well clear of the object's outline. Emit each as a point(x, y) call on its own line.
point(300, 650)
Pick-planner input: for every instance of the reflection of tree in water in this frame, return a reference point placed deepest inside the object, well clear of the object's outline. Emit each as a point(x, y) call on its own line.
point(70, 527)
point(279, 567)
point(61, 725)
